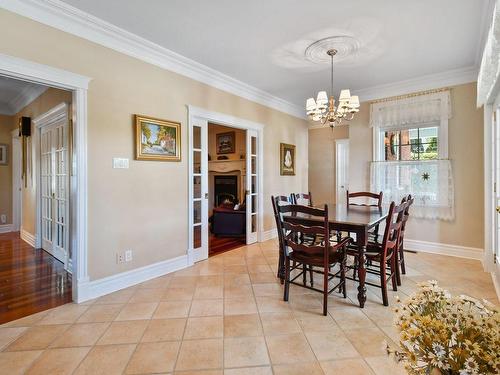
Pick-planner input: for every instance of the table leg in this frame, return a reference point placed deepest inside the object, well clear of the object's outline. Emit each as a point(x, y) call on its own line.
point(361, 268)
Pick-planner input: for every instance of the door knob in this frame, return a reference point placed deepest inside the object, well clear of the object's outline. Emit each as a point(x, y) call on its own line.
point(498, 209)
point(206, 195)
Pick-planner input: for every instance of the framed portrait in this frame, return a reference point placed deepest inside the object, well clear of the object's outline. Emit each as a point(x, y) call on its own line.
point(4, 154)
point(287, 159)
point(226, 143)
point(157, 139)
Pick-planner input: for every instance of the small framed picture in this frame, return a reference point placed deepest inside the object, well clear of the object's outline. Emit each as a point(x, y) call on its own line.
point(287, 159)
point(157, 139)
point(225, 143)
point(4, 154)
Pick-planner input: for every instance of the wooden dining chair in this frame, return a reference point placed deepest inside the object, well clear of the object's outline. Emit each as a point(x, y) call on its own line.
point(276, 202)
point(401, 267)
point(322, 256)
point(370, 199)
point(304, 199)
point(381, 257)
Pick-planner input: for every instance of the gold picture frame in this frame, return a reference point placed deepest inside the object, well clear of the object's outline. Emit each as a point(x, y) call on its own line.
point(157, 139)
point(287, 159)
point(226, 143)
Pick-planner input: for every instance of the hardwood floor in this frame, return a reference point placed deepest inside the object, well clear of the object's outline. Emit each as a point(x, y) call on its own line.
point(219, 245)
point(31, 280)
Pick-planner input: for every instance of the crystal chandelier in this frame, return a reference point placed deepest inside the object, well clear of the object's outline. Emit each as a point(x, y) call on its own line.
point(323, 109)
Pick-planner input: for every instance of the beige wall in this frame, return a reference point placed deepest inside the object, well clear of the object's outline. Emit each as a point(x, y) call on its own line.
point(144, 208)
point(465, 151)
point(240, 141)
point(6, 170)
point(322, 180)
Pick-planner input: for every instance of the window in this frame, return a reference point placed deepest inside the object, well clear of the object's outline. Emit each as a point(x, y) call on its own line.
point(411, 144)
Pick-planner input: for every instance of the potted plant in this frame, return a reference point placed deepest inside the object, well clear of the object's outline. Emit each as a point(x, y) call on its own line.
point(441, 334)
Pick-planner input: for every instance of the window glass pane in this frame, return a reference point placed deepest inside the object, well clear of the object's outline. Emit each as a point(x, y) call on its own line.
point(197, 236)
point(391, 142)
point(196, 137)
point(411, 144)
point(196, 161)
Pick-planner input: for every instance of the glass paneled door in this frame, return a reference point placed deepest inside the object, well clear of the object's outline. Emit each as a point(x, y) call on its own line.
point(198, 189)
point(54, 192)
point(496, 173)
point(252, 189)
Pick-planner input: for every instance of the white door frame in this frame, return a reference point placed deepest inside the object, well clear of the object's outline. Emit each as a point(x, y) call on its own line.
point(338, 142)
point(17, 68)
point(234, 122)
point(17, 201)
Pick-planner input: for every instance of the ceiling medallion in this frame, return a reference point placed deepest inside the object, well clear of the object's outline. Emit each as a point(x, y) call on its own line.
point(323, 109)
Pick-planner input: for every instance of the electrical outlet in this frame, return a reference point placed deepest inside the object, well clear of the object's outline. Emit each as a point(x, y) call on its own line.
point(3, 219)
point(128, 255)
point(120, 258)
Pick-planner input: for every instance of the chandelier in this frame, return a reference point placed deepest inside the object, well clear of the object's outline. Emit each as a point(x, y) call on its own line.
point(323, 109)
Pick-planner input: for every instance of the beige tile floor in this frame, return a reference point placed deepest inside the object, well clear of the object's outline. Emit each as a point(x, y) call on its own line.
point(224, 316)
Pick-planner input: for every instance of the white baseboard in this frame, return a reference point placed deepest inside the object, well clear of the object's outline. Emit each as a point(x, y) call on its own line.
point(88, 290)
point(444, 249)
point(268, 235)
point(6, 228)
point(28, 237)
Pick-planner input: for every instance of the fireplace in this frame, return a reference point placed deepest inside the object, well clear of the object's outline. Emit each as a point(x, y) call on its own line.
point(225, 187)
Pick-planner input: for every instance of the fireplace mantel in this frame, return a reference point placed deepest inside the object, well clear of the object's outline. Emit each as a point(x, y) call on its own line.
point(223, 166)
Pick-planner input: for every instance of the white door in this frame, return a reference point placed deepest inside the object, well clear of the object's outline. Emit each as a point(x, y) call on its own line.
point(341, 169)
point(16, 182)
point(252, 188)
point(198, 189)
point(54, 192)
point(496, 172)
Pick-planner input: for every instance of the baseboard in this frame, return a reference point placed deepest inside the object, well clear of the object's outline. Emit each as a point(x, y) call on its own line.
point(6, 228)
point(495, 276)
point(92, 289)
point(28, 237)
point(268, 235)
point(444, 249)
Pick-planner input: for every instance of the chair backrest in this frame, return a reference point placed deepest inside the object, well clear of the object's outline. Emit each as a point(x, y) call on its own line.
point(392, 231)
point(367, 195)
point(295, 232)
point(408, 201)
point(304, 199)
point(278, 201)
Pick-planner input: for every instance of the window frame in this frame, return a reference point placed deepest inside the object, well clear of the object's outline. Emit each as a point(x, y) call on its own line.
point(379, 145)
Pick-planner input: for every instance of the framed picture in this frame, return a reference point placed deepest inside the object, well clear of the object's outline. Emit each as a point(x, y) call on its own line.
point(157, 139)
point(287, 159)
point(4, 154)
point(226, 143)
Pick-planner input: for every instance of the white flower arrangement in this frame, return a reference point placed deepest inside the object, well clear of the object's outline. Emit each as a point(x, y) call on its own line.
point(441, 334)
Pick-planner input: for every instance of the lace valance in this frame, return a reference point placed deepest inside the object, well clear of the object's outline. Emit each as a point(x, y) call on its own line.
point(410, 111)
point(489, 73)
point(429, 181)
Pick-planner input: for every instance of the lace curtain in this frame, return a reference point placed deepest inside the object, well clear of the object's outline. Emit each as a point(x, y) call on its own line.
point(489, 73)
point(429, 181)
point(407, 112)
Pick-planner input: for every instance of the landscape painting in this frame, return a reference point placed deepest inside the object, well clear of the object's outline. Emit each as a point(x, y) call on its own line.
point(287, 159)
point(157, 139)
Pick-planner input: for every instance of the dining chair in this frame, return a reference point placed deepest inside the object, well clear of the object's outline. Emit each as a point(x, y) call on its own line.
point(305, 255)
point(276, 202)
point(353, 199)
point(381, 257)
point(304, 199)
point(401, 267)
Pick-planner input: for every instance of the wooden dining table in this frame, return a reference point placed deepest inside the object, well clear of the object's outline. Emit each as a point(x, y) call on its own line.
point(346, 218)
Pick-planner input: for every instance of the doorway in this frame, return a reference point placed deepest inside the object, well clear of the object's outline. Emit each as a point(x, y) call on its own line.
point(246, 165)
point(341, 170)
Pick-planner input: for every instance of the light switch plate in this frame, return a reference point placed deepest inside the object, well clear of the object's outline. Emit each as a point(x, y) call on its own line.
point(120, 163)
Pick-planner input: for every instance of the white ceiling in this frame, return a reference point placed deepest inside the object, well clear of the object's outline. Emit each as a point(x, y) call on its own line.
point(260, 42)
point(16, 94)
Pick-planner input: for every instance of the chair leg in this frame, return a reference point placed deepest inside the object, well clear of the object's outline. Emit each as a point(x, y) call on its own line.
point(304, 274)
point(325, 290)
point(281, 263)
point(402, 259)
point(397, 262)
point(287, 279)
point(383, 283)
point(394, 273)
point(311, 276)
point(342, 274)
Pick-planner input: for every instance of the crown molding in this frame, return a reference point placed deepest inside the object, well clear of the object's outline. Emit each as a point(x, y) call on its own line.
point(484, 27)
point(62, 16)
point(429, 82)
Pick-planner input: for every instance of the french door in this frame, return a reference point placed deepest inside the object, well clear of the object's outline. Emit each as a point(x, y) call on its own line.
point(496, 176)
point(341, 169)
point(252, 188)
point(54, 192)
point(198, 189)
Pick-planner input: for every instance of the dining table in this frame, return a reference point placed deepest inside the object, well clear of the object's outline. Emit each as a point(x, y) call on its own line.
point(351, 218)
